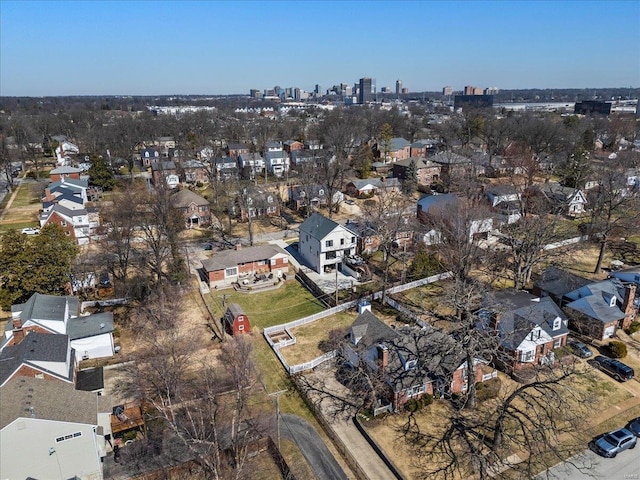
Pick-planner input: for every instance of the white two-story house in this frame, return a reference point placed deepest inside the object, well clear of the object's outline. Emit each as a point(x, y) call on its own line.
point(324, 243)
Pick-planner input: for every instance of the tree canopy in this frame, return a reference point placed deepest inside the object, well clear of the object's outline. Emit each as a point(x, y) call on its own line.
point(34, 264)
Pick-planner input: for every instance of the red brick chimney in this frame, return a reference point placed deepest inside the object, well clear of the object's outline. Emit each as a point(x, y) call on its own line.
point(627, 305)
point(18, 333)
point(383, 356)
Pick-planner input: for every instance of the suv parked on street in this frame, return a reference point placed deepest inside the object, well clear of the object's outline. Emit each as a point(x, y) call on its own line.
point(615, 368)
point(612, 443)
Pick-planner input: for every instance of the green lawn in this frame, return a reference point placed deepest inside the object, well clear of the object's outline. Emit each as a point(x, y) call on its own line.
point(265, 309)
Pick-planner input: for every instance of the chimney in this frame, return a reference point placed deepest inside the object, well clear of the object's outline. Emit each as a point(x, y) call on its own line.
point(383, 356)
point(627, 305)
point(18, 333)
point(363, 306)
point(494, 321)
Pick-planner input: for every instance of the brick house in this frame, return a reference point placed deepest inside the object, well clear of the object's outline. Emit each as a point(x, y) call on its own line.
point(234, 150)
point(292, 145)
point(194, 208)
point(399, 149)
point(529, 328)
point(62, 173)
point(411, 361)
point(195, 171)
point(225, 268)
point(235, 320)
point(74, 222)
point(427, 172)
point(370, 186)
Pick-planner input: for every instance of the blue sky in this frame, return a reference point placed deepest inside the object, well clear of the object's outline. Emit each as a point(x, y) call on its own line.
point(218, 47)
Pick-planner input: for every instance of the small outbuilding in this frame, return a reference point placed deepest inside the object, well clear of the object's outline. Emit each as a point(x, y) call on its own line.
point(235, 321)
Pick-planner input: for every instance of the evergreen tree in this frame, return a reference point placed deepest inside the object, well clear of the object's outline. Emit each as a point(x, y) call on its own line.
point(410, 182)
point(101, 174)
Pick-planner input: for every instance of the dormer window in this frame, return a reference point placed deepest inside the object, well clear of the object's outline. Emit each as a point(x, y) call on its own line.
point(411, 364)
point(270, 199)
point(557, 323)
point(321, 192)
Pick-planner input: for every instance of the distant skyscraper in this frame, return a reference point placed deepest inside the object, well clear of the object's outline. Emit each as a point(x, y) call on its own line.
point(365, 90)
point(254, 93)
point(404, 91)
point(447, 91)
point(398, 87)
point(468, 89)
point(318, 89)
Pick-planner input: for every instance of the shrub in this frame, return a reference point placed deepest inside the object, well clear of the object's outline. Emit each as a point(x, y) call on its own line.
point(488, 389)
point(617, 349)
point(416, 404)
point(633, 328)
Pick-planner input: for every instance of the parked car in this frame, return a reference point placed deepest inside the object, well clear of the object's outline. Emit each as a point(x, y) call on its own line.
point(349, 202)
point(579, 349)
point(634, 426)
point(104, 279)
point(31, 231)
point(612, 443)
point(615, 368)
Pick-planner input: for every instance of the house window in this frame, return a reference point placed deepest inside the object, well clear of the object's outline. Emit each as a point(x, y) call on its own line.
point(557, 343)
point(260, 263)
point(328, 243)
point(342, 241)
point(67, 233)
point(330, 255)
point(271, 209)
point(231, 272)
point(527, 356)
point(63, 223)
point(353, 239)
point(68, 437)
point(240, 327)
point(413, 391)
point(368, 241)
point(557, 323)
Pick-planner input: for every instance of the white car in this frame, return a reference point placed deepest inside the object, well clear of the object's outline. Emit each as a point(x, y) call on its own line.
point(31, 231)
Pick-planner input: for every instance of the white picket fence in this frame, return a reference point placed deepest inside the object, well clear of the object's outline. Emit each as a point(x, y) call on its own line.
point(286, 327)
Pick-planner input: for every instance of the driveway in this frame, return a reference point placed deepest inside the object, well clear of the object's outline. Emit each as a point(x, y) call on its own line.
point(626, 466)
point(318, 456)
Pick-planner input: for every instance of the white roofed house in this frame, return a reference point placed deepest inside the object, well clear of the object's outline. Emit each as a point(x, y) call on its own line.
point(324, 244)
point(277, 162)
point(50, 430)
point(251, 164)
point(571, 201)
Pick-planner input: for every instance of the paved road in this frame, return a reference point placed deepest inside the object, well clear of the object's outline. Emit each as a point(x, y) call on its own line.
point(626, 466)
point(320, 459)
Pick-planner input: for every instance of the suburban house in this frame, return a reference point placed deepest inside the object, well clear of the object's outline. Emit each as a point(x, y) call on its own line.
point(256, 203)
point(370, 186)
point(505, 201)
point(226, 168)
point(149, 156)
point(568, 200)
point(369, 240)
point(251, 164)
point(74, 222)
point(39, 355)
point(166, 171)
point(438, 207)
point(556, 283)
point(90, 335)
point(277, 162)
point(312, 197)
point(398, 149)
point(628, 275)
point(529, 328)
point(411, 361)
point(598, 309)
point(225, 268)
point(195, 171)
point(194, 208)
point(292, 145)
point(235, 150)
point(427, 172)
point(423, 148)
point(235, 320)
point(67, 189)
point(61, 173)
point(310, 158)
point(451, 165)
point(51, 430)
point(324, 244)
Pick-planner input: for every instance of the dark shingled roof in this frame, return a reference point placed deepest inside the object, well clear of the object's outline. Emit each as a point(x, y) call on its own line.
point(318, 226)
point(370, 330)
point(90, 325)
point(36, 347)
point(186, 197)
point(558, 282)
point(90, 379)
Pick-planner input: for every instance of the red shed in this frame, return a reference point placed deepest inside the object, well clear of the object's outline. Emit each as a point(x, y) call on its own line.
point(235, 320)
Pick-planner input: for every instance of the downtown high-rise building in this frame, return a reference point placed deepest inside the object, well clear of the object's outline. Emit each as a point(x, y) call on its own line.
point(398, 87)
point(365, 90)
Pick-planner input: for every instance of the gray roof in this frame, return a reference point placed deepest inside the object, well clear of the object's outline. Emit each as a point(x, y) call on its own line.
point(186, 197)
point(90, 325)
point(558, 282)
point(436, 201)
point(232, 258)
point(370, 329)
point(70, 183)
point(593, 300)
point(449, 158)
point(318, 226)
point(28, 397)
point(90, 379)
point(376, 183)
point(163, 165)
point(520, 312)
point(63, 170)
point(276, 154)
point(596, 308)
point(46, 307)
point(35, 347)
point(421, 162)
point(398, 143)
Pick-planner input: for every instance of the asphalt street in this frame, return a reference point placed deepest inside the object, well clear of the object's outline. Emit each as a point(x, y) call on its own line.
point(320, 459)
point(626, 466)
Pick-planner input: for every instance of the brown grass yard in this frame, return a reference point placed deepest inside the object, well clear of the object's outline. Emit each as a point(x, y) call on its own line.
point(607, 394)
point(24, 210)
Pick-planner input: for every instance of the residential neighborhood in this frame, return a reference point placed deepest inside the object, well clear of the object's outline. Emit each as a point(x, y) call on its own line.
point(409, 276)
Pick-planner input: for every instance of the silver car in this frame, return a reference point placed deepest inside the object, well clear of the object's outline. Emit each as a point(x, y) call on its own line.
point(612, 443)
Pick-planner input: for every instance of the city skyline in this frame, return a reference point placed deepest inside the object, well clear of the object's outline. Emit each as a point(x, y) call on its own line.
point(218, 48)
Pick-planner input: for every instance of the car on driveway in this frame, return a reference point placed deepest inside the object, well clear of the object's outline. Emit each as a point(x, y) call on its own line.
point(349, 202)
point(615, 368)
point(612, 443)
point(31, 231)
point(634, 426)
point(579, 349)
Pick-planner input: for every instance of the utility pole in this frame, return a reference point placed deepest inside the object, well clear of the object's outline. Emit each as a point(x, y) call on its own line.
point(336, 285)
point(277, 395)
